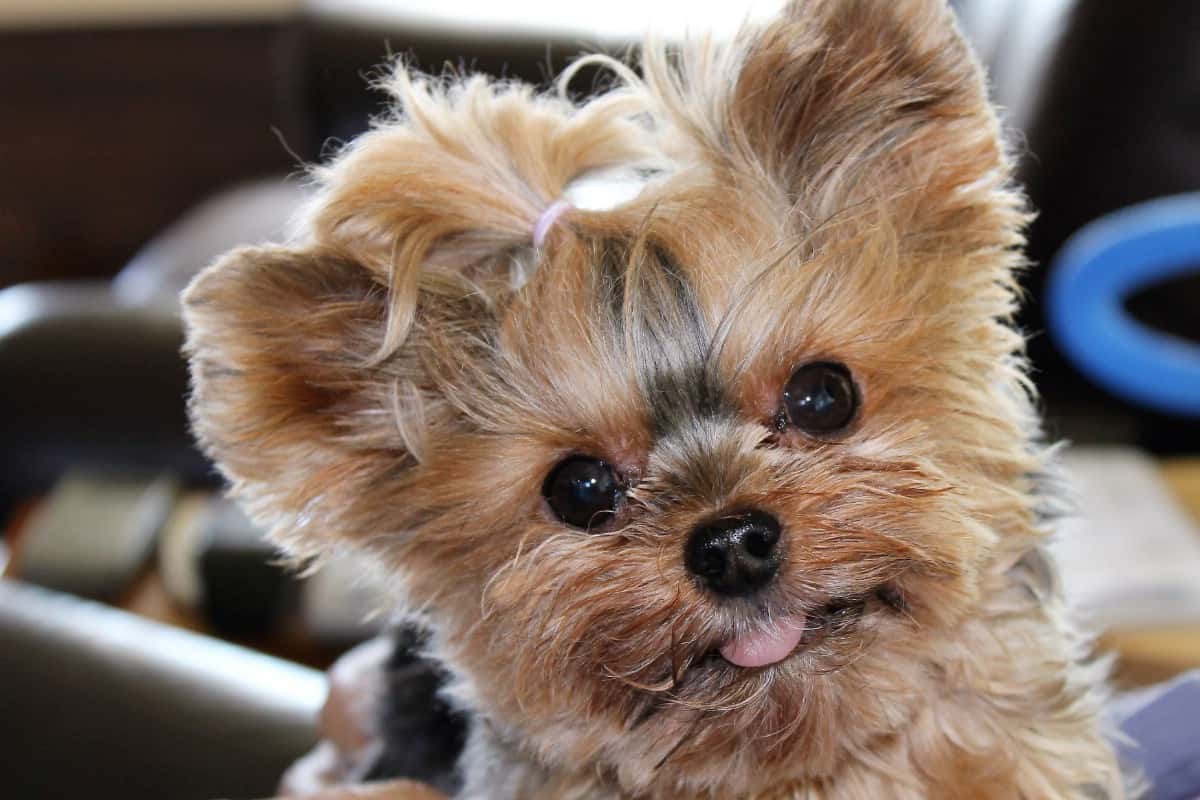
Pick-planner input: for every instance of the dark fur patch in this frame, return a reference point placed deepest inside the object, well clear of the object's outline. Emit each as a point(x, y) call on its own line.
point(422, 735)
point(654, 307)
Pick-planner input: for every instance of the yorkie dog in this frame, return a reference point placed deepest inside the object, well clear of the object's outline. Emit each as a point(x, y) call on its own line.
point(690, 419)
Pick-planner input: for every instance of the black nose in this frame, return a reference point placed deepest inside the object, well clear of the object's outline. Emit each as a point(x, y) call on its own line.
point(735, 554)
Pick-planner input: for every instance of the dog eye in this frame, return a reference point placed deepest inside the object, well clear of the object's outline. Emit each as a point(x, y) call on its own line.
point(583, 492)
point(820, 397)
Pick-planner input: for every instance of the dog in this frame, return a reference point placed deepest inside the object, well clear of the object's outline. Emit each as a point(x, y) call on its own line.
point(729, 487)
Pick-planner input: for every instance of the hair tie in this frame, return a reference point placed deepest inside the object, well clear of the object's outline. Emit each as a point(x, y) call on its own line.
point(546, 221)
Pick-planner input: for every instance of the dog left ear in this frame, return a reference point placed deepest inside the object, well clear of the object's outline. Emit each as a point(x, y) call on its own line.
point(284, 396)
point(839, 104)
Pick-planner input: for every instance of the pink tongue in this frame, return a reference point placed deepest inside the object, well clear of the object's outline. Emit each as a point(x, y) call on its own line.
point(767, 646)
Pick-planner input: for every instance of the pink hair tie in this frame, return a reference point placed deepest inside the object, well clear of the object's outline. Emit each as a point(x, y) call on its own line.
point(547, 219)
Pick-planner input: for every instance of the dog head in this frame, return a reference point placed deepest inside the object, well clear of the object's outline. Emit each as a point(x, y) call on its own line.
point(690, 490)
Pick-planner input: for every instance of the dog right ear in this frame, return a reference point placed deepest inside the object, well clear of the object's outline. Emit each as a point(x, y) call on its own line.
point(285, 395)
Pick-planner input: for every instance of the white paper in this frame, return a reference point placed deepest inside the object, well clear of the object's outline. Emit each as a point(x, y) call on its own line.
point(1130, 557)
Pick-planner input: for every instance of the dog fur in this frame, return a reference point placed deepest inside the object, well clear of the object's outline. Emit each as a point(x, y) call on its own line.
point(403, 375)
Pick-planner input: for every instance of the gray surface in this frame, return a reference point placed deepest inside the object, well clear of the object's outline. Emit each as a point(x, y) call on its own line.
point(98, 703)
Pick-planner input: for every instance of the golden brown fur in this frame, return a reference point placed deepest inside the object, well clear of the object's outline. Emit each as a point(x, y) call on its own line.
point(833, 187)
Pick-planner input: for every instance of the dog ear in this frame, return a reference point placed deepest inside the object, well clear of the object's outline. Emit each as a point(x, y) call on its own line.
point(284, 394)
point(308, 388)
point(842, 103)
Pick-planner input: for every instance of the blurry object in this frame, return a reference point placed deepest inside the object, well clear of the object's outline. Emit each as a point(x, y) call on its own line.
point(77, 13)
point(216, 562)
point(178, 546)
point(1114, 124)
point(1097, 271)
point(344, 600)
point(1183, 476)
point(617, 22)
point(1146, 656)
point(99, 703)
point(1115, 119)
point(247, 213)
point(92, 370)
point(246, 589)
point(347, 41)
point(1016, 39)
point(88, 382)
point(1130, 557)
point(1163, 726)
point(95, 532)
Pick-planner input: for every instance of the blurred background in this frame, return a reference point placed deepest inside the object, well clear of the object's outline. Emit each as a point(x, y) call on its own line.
point(151, 646)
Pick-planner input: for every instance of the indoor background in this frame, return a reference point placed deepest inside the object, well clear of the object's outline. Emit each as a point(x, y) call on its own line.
point(140, 139)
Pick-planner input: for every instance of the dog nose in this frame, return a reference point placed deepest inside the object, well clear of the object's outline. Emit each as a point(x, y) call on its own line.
point(735, 554)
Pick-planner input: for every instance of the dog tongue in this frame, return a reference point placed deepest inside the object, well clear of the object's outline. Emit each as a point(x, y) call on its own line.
point(767, 646)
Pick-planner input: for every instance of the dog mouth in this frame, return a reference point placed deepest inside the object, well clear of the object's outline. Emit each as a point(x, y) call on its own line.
point(767, 645)
point(789, 634)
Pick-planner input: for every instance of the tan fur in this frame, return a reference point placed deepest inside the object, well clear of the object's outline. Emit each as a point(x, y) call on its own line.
point(404, 378)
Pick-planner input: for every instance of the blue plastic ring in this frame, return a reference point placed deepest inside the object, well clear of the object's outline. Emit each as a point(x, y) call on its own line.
point(1101, 265)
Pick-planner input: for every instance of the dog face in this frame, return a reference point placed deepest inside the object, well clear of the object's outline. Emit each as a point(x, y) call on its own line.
point(693, 491)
